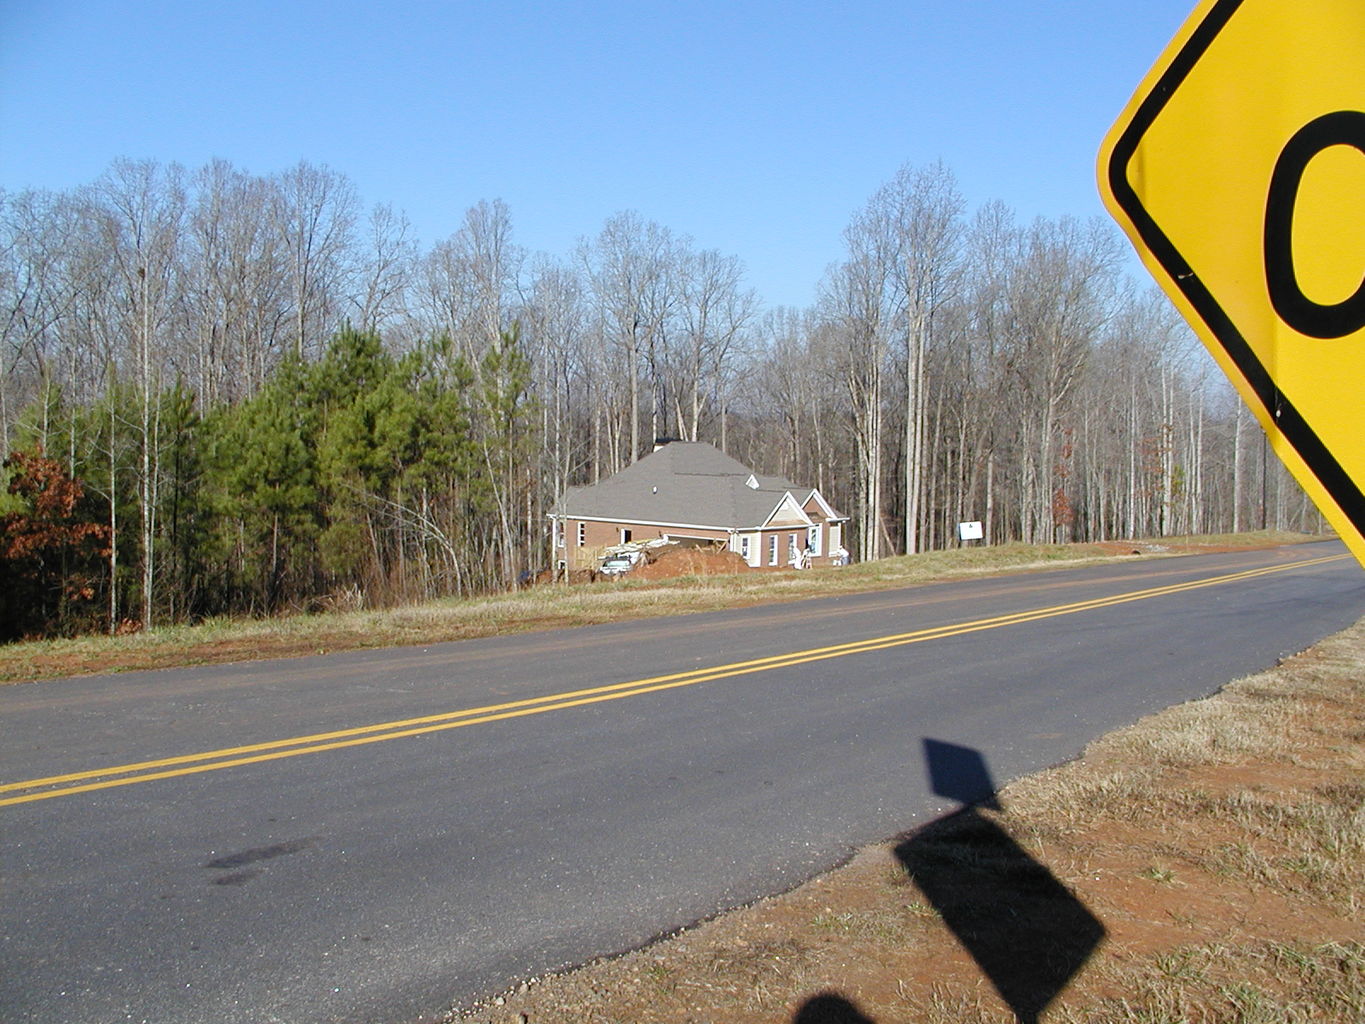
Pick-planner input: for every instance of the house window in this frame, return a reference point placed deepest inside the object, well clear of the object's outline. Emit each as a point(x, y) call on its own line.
point(582, 534)
point(792, 548)
point(772, 550)
point(625, 536)
point(744, 547)
point(813, 542)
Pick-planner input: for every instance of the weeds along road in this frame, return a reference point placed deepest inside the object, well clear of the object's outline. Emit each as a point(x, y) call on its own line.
point(377, 836)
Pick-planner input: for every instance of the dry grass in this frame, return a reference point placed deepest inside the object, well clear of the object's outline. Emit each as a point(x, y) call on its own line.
point(1218, 983)
point(224, 640)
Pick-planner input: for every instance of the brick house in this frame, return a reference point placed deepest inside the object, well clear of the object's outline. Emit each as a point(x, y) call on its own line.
point(692, 493)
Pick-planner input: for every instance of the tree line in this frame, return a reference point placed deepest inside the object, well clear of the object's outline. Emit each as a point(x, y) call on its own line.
point(225, 393)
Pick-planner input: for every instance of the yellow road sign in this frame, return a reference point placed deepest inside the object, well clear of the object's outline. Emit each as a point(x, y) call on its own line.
point(1238, 172)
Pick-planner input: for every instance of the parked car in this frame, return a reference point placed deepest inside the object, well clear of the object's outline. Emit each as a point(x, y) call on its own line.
point(615, 565)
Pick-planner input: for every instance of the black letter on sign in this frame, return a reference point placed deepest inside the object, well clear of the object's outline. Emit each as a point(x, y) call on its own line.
point(1344, 128)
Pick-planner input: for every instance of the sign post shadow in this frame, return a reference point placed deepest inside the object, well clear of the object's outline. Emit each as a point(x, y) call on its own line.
point(1026, 931)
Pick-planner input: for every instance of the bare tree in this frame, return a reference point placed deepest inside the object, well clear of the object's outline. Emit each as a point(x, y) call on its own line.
point(236, 268)
point(556, 323)
point(858, 304)
point(628, 267)
point(715, 310)
point(141, 207)
point(38, 244)
point(468, 285)
point(920, 210)
point(384, 270)
point(314, 216)
point(1060, 298)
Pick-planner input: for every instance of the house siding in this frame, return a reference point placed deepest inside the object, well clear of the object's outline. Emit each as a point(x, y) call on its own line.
point(749, 546)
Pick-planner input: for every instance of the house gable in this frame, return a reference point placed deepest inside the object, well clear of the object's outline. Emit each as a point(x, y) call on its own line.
point(818, 508)
point(788, 513)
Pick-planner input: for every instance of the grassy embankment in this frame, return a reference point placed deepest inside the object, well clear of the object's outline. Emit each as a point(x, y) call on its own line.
point(547, 607)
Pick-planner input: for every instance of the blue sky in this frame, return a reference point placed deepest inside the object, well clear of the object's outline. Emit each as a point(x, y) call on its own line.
point(757, 128)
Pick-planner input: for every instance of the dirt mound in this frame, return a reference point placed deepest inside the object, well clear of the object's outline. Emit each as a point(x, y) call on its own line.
point(660, 564)
point(690, 562)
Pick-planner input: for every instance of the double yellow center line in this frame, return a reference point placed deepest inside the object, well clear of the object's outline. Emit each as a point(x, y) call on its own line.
point(275, 750)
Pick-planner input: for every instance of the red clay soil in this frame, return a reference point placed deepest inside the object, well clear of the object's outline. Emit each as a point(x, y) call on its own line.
point(690, 562)
point(665, 564)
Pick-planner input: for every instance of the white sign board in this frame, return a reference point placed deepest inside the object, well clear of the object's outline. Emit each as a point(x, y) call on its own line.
point(970, 531)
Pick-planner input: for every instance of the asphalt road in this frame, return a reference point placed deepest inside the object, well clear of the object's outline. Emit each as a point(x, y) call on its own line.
point(373, 837)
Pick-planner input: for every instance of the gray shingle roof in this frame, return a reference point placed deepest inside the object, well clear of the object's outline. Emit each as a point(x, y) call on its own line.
point(684, 483)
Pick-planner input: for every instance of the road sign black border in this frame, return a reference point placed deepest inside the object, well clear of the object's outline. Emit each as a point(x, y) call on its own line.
point(1320, 462)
